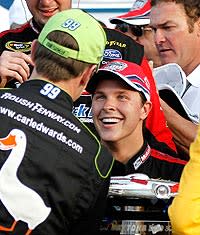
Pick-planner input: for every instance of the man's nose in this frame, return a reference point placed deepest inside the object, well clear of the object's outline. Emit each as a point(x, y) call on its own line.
point(109, 104)
point(159, 37)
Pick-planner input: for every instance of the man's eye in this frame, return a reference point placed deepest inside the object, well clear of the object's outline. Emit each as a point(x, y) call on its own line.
point(122, 97)
point(168, 27)
point(99, 97)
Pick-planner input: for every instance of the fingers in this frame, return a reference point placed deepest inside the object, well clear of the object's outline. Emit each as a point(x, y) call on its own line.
point(15, 65)
point(3, 82)
point(151, 64)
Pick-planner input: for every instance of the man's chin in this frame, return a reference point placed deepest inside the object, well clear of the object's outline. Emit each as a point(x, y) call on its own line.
point(167, 58)
point(42, 21)
point(109, 138)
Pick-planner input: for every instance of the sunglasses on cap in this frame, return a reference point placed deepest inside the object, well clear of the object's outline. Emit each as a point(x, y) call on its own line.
point(139, 30)
point(136, 30)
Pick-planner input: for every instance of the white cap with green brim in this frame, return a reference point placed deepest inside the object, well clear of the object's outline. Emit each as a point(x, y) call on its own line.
point(84, 28)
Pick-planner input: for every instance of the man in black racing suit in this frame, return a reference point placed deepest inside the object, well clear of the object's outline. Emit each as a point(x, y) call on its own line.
point(19, 40)
point(120, 119)
point(155, 164)
point(121, 103)
point(118, 46)
point(54, 173)
point(15, 44)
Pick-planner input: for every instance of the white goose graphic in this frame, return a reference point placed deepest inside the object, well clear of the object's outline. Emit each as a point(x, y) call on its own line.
point(22, 202)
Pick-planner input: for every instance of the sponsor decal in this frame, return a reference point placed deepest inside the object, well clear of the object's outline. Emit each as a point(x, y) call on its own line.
point(37, 107)
point(115, 43)
point(138, 4)
point(83, 112)
point(133, 227)
point(116, 66)
point(112, 54)
point(19, 46)
point(43, 128)
point(82, 108)
point(141, 159)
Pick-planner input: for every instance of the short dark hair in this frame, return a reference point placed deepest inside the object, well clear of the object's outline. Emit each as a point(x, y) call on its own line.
point(53, 66)
point(191, 7)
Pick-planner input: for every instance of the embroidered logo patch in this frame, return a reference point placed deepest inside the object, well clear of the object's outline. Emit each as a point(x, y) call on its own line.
point(141, 159)
point(19, 46)
point(112, 54)
point(116, 66)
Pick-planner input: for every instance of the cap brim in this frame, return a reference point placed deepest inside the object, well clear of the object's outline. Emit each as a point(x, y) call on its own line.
point(172, 75)
point(170, 96)
point(93, 82)
point(136, 21)
point(91, 87)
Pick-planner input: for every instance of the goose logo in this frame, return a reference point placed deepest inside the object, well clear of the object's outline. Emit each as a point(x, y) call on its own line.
point(27, 200)
point(112, 54)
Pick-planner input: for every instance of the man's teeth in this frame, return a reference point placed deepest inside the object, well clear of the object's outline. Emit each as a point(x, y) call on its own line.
point(110, 120)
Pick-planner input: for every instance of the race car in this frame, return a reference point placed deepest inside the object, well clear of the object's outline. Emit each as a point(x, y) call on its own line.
point(141, 186)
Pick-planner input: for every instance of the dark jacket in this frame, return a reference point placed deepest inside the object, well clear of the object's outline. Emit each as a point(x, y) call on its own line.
point(152, 162)
point(19, 40)
point(64, 165)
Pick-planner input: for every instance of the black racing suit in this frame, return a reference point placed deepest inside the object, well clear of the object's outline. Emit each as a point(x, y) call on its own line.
point(152, 162)
point(20, 40)
point(118, 46)
point(141, 213)
point(64, 165)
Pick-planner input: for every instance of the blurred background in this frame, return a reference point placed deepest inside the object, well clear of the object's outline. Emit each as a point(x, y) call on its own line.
point(104, 9)
point(14, 12)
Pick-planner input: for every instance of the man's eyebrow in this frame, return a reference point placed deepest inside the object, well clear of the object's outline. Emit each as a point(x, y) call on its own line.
point(161, 24)
point(98, 92)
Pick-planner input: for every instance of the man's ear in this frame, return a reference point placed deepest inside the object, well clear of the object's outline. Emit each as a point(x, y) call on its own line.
point(198, 23)
point(33, 48)
point(146, 109)
point(87, 74)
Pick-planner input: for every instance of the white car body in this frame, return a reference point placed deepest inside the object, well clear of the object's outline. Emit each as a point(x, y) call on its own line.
point(141, 186)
